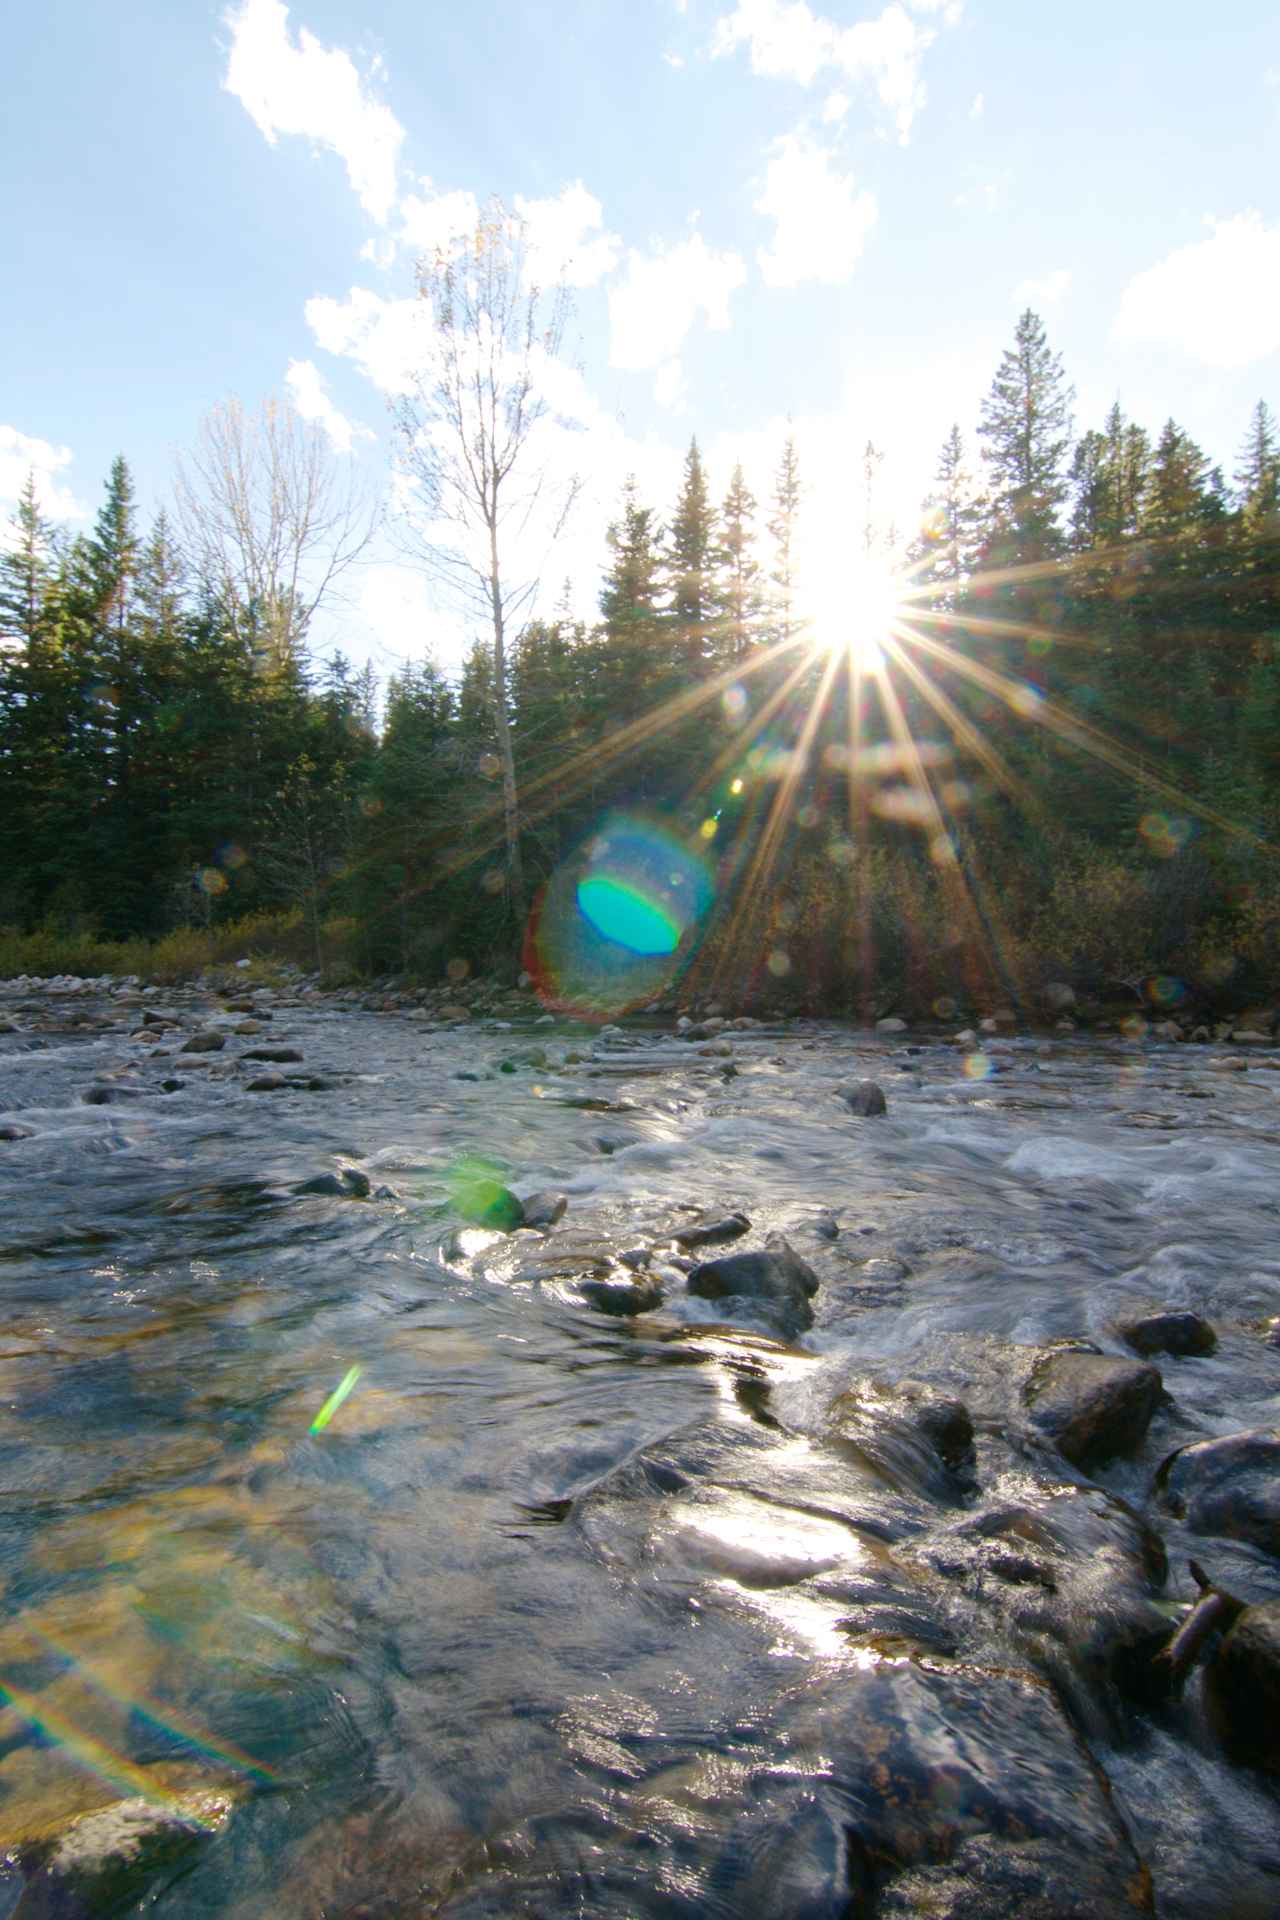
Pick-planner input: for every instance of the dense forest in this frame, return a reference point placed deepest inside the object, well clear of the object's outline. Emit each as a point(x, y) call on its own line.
point(1061, 761)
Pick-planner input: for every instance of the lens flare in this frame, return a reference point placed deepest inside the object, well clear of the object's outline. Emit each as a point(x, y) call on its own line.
point(335, 1400)
point(621, 916)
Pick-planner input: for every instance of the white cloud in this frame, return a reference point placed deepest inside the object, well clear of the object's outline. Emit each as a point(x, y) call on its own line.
point(979, 103)
point(386, 339)
point(311, 401)
point(834, 108)
point(786, 40)
point(653, 308)
point(821, 220)
point(23, 453)
point(314, 91)
point(562, 240)
point(669, 387)
point(1045, 292)
point(1216, 300)
point(675, 60)
point(433, 222)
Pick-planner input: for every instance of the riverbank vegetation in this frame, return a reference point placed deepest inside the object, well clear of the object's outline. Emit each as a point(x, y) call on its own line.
point(1036, 738)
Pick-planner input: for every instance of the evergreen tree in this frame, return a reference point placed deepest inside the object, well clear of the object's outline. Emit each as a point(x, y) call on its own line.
point(631, 602)
point(1258, 475)
point(25, 568)
point(1025, 428)
point(738, 591)
point(689, 559)
point(784, 519)
point(1184, 494)
point(949, 543)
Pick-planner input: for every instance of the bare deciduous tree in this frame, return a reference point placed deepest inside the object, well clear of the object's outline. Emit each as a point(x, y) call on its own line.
point(477, 433)
point(271, 518)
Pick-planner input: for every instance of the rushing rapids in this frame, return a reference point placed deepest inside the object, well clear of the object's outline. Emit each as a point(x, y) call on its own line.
point(794, 1523)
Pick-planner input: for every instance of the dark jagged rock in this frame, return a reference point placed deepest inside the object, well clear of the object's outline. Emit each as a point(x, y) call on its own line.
point(10, 1130)
point(775, 1276)
point(544, 1209)
point(1092, 1406)
point(1243, 1687)
point(204, 1043)
point(350, 1184)
point(864, 1097)
point(1229, 1486)
point(708, 1233)
point(1178, 1333)
point(272, 1056)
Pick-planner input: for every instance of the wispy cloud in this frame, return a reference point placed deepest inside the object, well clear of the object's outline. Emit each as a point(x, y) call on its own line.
point(23, 453)
point(660, 296)
point(1044, 292)
point(316, 92)
point(786, 40)
point(311, 400)
point(821, 220)
point(1216, 300)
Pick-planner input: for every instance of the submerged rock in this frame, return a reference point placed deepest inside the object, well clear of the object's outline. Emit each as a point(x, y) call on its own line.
point(543, 1209)
point(350, 1184)
point(108, 1860)
point(864, 1097)
point(1173, 1332)
point(1229, 1486)
point(917, 1438)
point(623, 1298)
point(274, 1056)
point(1092, 1406)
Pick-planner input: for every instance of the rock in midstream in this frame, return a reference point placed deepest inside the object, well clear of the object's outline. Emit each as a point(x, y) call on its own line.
point(708, 1233)
point(1228, 1486)
point(864, 1097)
point(108, 1860)
point(774, 1278)
point(1243, 1687)
point(1174, 1332)
point(1091, 1405)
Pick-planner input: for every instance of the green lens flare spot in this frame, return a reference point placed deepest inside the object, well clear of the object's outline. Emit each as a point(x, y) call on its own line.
point(335, 1400)
point(625, 915)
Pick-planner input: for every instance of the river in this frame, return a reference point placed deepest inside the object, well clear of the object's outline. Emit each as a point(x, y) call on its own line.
point(573, 1613)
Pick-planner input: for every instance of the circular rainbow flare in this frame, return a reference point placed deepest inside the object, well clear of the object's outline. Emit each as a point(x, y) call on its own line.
point(619, 919)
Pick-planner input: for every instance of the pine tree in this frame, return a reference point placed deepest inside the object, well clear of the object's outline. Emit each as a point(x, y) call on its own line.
point(1025, 427)
point(631, 594)
point(739, 593)
point(949, 541)
point(689, 558)
point(25, 568)
point(784, 521)
point(1258, 475)
point(1184, 494)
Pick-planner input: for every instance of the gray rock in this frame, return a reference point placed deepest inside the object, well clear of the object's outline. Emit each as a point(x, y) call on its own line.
point(10, 1130)
point(276, 1056)
point(1092, 1406)
point(910, 1434)
point(891, 1024)
point(826, 1226)
point(204, 1043)
point(708, 1233)
point(864, 1097)
point(1229, 1486)
point(775, 1275)
point(1180, 1333)
point(350, 1184)
point(1242, 1687)
point(107, 1860)
point(1059, 997)
point(544, 1209)
point(267, 1083)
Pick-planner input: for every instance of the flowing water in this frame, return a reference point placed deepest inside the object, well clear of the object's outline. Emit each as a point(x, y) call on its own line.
point(564, 1613)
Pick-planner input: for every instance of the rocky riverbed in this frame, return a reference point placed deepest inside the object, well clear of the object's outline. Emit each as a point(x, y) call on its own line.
point(787, 1471)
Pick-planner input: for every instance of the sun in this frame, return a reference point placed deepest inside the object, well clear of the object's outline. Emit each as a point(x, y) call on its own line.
point(852, 609)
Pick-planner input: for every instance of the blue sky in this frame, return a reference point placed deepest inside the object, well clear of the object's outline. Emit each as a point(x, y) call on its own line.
point(827, 211)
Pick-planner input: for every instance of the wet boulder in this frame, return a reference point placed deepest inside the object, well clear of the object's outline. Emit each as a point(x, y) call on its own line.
point(207, 1042)
point(775, 1277)
point(350, 1184)
point(623, 1298)
point(10, 1130)
point(1243, 1688)
point(272, 1056)
point(543, 1209)
point(1228, 1486)
point(106, 1861)
point(912, 1435)
point(707, 1233)
point(864, 1097)
point(1173, 1332)
point(1091, 1406)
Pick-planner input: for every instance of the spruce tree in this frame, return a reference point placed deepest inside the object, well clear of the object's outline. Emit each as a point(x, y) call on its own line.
point(1025, 428)
point(1258, 475)
point(25, 567)
point(689, 559)
point(784, 519)
point(949, 542)
point(739, 593)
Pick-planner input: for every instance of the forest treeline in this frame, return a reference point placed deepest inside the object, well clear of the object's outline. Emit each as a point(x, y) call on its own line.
point(1066, 764)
